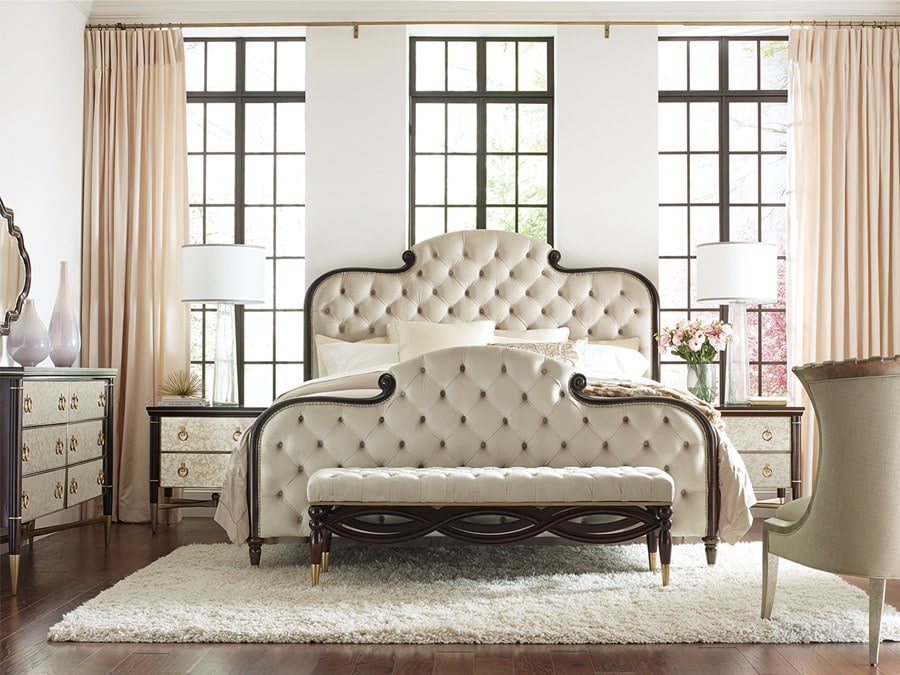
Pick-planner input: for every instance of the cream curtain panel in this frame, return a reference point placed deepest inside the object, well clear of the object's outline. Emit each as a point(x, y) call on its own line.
point(135, 221)
point(845, 201)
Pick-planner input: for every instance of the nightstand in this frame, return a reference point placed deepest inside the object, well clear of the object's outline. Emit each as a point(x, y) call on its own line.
point(190, 447)
point(768, 439)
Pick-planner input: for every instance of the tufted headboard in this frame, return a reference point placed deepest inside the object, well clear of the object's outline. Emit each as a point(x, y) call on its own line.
point(512, 279)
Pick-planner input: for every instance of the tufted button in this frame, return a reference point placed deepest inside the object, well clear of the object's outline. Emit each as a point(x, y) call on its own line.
point(665, 420)
point(544, 420)
point(483, 394)
point(635, 310)
point(563, 445)
point(584, 419)
point(327, 311)
point(502, 369)
point(543, 310)
point(625, 419)
point(402, 394)
point(574, 312)
point(356, 310)
point(562, 394)
point(442, 444)
point(527, 294)
point(434, 291)
point(403, 292)
point(371, 330)
point(496, 254)
point(450, 273)
point(419, 273)
point(340, 420)
point(402, 444)
point(280, 445)
point(646, 444)
point(524, 446)
point(341, 328)
point(621, 292)
point(481, 311)
point(340, 465)
point(380, 420)
point(465, 254)
point(463, 419)
point(483, 445)
point(387, 310)
point(666, 467)
point(686, 444)
point(362, 444)
point(590, 331)
point(422, 419)
point(481, 273)
point(343, 291)
point(621, 332)
point(462, 368)
point(419, 310)
point(421, 466)
point(605, 311)
point(524, 396)
point(319, 444)
point(422, 369)
point(299, 468)
point(443, 393)
point(280, 493)
point(543, 371)
point(372, 292)
point(496, 291)
point(590, 294)
point(559, 292)
point(512, 274)
point(466, 293)
point(449, 310)
point(505, 421)
point(512, 311)
point(300, 519)
point(300, 419)
point(434, 254)
point(605, 445)
point(684, 493)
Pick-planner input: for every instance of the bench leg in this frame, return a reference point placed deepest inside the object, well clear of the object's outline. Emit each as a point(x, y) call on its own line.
point(665, 541)
point(326, 549)
point(651, 550)
point(316, 540)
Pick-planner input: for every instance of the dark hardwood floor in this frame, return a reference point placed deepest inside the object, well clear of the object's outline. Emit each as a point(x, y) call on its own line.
point(70, 567)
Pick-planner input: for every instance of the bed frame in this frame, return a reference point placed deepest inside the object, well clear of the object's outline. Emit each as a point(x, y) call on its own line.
point(515, 281)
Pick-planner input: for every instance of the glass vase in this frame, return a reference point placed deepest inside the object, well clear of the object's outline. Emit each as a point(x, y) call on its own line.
point(701, 381)
point(65, 340)
point(28, 343)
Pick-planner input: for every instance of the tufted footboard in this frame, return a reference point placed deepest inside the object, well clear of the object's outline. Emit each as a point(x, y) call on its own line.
point(477, 407)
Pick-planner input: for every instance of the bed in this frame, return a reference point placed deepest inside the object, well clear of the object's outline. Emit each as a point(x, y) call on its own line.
point(478, 288)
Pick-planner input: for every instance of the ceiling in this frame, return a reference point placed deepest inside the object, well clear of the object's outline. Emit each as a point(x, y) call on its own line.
point(468, 11)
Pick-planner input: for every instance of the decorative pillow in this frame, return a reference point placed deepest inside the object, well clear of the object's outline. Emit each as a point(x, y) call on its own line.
point(339, 357)
point(566, 352)
point(531, 335)
point(607, 362)
point(325, 340)
point(627, 343)
point(419, 337)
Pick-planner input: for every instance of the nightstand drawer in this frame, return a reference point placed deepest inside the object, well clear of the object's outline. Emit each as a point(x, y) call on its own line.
point(193, 469)
point(45, 402)
point(760, 434)
point(87, 400)
point(202, 434)
point(768, 470)
point(86, 440)
point(84, 481)
point(43, 448)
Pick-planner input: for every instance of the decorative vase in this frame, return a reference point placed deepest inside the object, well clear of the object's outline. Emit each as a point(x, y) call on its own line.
point(65, 340)
point(701, 381)
point(28, 343)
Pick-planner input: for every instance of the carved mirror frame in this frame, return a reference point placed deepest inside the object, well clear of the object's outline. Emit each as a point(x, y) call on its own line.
point(12, 313)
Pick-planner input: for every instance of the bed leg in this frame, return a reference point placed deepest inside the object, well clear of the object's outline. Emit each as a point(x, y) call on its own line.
point(665, 541)
point(316, 541)
point(711, 549)
point(255, 544)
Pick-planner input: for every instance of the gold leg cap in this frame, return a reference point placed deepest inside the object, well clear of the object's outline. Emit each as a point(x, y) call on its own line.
point(652, 561)
point(665, 574)
point(314, 573)
point(325, 555)
point(13, 574)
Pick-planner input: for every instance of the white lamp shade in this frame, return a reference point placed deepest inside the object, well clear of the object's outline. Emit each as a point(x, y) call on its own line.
point(737, 271)
point(233, 273)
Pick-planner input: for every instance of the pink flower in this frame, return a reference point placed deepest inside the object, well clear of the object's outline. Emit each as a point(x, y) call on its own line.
point(664, 341)
point(696, 342)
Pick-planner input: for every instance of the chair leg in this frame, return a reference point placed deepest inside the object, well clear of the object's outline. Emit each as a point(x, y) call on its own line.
point(769, 578)
point(876, 604)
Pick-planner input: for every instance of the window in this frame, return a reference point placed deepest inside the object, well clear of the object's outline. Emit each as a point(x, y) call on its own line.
point(723, 177)
point(246, 182)
point(481, 114)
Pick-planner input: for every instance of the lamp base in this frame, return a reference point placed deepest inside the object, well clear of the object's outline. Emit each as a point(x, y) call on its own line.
point(737, 376)
point(225, 389)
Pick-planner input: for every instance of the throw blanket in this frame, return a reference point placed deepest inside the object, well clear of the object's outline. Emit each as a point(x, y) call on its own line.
point(736, 492)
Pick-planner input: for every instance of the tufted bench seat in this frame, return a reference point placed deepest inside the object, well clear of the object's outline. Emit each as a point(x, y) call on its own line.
point(632, 502)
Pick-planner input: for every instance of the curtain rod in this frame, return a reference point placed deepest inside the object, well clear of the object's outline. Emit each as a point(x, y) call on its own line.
point(815, 23)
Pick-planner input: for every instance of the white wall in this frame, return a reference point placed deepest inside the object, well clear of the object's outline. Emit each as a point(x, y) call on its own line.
point(41, 80)
point(605, 146)
point(356, 145)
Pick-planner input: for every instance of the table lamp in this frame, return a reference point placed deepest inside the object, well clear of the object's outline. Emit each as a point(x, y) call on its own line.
point(228, 275)
point(739, 273)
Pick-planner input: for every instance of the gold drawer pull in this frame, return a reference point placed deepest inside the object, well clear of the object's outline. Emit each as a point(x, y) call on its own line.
point(26, 453)
point(183, 434)
point(27, 404)
point(61, 403)
point(60, 446)
point(767, 471)
point(24, 500)
point(101, 439)
point(73, 444)
point(183, 470)
point(73, 487)
point(74, 403)
point(58, 490)
point(237, 434)
point(767, 434)
point(100, 477)
point(101, 400)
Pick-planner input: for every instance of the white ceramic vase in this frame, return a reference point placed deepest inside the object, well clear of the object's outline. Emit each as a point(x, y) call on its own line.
point(65, 339)
point(28, 343)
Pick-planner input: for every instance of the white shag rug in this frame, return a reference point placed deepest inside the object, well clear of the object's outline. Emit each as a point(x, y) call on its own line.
point(469, 594)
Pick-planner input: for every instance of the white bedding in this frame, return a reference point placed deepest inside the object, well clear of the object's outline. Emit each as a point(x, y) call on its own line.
point(736, 491)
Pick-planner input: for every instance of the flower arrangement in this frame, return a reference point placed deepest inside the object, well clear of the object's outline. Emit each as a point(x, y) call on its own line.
point(695, 341)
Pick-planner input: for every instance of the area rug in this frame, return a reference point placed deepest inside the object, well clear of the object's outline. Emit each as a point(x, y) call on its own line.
point(467, 594)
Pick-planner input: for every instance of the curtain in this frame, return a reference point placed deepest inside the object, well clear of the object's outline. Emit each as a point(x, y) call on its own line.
point(134, 223)
point(845, 201)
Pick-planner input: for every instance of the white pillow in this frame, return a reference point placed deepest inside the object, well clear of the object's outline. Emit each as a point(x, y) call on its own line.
point(606, 362)
point(325, 340)
point(418, 337)
point(339, 357)
point(531, 335)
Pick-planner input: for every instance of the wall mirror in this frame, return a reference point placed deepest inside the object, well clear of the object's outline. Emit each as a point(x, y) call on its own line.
point(15, 269)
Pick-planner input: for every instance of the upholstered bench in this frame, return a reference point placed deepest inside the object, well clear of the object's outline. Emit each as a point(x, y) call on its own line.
point(599, 505)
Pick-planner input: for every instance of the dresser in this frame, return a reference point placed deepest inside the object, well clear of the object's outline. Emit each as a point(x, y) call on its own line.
point(768, 439)
point(56, 444)
point(190, 447)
